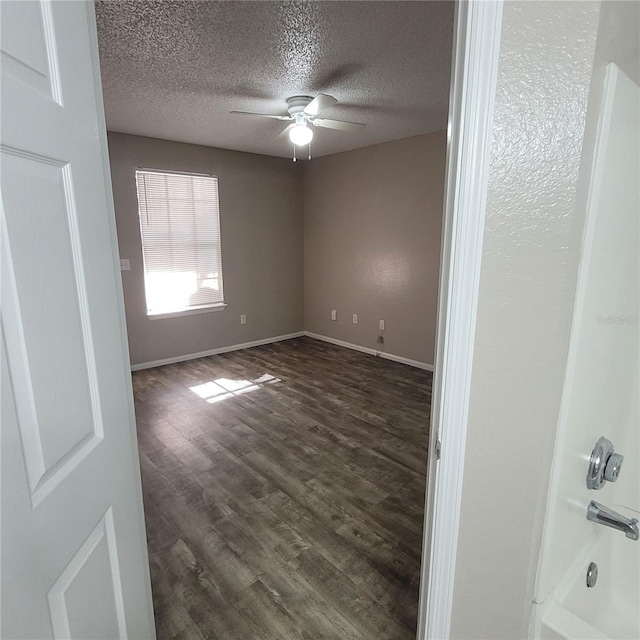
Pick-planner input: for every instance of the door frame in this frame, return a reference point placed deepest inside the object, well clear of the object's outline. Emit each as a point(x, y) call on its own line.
point(475, 56)
point(474, 72)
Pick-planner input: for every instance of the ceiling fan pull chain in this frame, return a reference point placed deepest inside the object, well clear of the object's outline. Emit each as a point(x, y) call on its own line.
point(294, 153)
point(309, 158)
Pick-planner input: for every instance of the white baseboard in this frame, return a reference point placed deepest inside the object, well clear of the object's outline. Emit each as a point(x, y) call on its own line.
point(373, 352)
point(213, 352)
point(257, 343)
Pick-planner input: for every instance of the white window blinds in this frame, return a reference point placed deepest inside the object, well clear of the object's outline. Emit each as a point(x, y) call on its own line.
point(180, 231)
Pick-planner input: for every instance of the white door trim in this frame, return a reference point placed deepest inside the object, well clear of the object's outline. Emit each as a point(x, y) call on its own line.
point(474, 76)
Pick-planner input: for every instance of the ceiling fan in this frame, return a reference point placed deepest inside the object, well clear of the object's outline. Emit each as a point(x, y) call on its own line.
point(302, 112)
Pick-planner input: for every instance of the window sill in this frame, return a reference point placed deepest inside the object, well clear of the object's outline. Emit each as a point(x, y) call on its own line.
point(221, 306)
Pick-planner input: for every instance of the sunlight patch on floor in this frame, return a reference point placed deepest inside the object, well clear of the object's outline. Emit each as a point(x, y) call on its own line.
point(224, 388)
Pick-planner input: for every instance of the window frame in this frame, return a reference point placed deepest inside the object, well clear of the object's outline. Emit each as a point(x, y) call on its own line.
point(220, 305)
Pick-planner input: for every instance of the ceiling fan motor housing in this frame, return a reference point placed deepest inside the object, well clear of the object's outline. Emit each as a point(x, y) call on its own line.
point(297, 104)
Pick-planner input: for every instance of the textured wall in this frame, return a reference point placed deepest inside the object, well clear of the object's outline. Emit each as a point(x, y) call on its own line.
point(527, 283)
point(372, 225)
point(261, 227)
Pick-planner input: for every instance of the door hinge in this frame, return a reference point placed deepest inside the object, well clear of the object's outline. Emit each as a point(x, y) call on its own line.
point(438, 448)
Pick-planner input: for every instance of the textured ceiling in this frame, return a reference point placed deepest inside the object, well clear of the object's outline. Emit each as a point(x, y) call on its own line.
point(174, 69)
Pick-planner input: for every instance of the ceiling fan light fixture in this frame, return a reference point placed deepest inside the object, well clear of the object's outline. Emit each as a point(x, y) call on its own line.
point(300, 134)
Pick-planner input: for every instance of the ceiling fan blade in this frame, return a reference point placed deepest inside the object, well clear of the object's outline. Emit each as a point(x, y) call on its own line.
point(285, 132)
point(340, 125)
point(260, 115)
point(321, 102)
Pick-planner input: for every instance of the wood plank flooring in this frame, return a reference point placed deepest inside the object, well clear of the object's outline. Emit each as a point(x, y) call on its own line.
point(284, 490)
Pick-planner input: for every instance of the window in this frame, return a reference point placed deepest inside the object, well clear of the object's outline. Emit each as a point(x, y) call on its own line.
point(180, 231)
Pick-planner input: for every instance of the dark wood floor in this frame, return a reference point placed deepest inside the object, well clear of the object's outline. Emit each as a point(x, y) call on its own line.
point(284, 490)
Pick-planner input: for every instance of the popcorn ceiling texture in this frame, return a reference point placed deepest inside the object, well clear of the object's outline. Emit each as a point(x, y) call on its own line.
point(174, 69)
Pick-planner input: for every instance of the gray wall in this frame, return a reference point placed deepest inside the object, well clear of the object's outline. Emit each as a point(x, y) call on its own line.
point(372, 220)
point(262, 245)
point(372, 226)
point(552, 57)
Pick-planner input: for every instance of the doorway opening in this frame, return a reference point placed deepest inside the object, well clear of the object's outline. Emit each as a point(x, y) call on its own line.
point(284, 437)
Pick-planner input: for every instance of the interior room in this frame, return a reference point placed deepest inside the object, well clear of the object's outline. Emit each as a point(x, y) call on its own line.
point(279, 323)
point(283, 386)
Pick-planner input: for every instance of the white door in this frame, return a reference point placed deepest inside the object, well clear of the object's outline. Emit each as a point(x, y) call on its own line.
point(74, 561)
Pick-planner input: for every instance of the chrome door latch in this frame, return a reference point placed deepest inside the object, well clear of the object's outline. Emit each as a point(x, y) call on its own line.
point(604, 464)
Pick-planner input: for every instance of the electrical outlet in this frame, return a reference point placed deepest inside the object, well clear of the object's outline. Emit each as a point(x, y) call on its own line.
point(380, 339)
point(334, 314)
point(381, 325)
point(125, 265)
point(243, 319)
point(355, 318)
